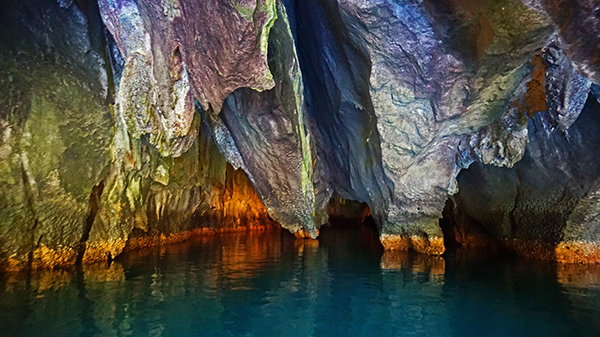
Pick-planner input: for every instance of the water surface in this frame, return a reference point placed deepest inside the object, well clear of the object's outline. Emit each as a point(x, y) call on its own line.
point(269, 284)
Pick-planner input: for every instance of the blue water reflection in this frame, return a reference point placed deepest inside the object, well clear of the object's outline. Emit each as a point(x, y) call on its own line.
point(269, 284)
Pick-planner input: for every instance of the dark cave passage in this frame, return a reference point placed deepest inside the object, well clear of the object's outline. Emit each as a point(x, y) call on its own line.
point(532, 207)
point(336, 69)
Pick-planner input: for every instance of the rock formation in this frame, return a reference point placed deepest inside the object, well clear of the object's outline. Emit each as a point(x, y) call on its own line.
point(127, 122)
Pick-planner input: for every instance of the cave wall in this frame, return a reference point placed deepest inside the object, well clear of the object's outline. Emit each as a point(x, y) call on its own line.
point(125, 121)
point(80, 173)
point(394, 88)
point(56, 126)
point(543, 207)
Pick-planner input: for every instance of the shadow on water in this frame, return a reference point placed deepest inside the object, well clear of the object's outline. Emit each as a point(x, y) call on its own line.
point(270, 284)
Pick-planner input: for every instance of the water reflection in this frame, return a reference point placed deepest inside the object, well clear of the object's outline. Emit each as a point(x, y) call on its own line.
point(418, 263)
point(270, 284)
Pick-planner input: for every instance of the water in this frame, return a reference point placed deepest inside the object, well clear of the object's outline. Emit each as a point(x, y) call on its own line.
point(269, 284)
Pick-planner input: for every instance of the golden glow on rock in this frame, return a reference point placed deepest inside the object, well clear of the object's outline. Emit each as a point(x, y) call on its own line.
point(578, 252)
point(423, 245)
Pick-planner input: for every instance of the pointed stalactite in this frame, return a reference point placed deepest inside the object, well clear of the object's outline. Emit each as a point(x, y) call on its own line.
point(268, 129)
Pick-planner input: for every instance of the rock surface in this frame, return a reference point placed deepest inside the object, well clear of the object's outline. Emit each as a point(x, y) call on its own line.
point(393, 73)
point(55, 128)
point(124, 122)
point(545, 205)
point(81, 172)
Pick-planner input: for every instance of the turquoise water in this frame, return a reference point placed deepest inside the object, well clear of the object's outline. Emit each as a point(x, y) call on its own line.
point(269, 284)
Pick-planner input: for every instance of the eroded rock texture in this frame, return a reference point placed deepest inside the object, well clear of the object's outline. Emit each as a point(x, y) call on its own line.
point(269, 132)
point(545, 205)
point(263, 132)
point(97, 146)
point(393, 88)
point(55, 127)
point(577, 23)
point(149, 119)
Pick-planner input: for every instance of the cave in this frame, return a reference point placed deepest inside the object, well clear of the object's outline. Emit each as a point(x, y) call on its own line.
point(277, 167)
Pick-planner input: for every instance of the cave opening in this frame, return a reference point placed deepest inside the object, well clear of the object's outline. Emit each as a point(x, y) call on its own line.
point(350, 215)
point(535, 207)
point(463, 235)
point(448, 228)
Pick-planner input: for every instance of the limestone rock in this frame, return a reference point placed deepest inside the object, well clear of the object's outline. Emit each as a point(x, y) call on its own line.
point(55, 129)
point(412, 79)
point(544, 206)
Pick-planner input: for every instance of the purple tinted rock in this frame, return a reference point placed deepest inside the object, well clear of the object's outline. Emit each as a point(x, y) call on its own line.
point(578, 25)
point(566, 89)
point(223, 43)
point(438, 74)
point(173, 54)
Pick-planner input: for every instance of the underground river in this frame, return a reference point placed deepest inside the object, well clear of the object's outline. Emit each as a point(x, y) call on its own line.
point(271, 284)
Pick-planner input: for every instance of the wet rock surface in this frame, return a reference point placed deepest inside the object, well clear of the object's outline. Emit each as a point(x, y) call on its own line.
point(543, 206)
point(153, 119)
point(393, 73)
point(269, 132)
point(82, 169)
point(55, 128)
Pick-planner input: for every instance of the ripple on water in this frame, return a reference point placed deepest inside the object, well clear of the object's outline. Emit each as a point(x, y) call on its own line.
point(270, 284)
